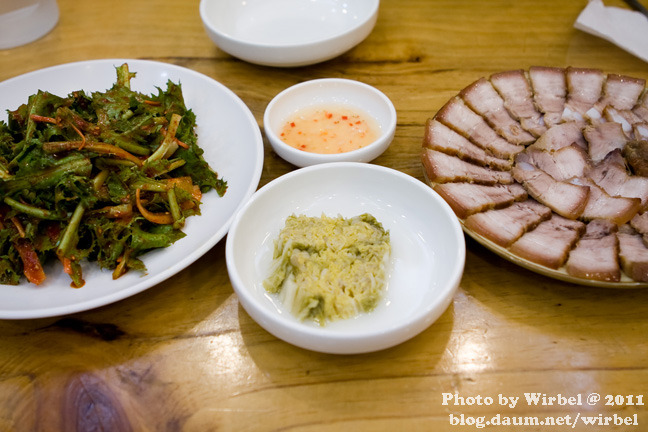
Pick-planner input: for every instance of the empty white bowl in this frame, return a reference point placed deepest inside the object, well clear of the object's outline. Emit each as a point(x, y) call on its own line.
point(24, 21)
point(330, 92)
point(288, 33)
point(424, 271)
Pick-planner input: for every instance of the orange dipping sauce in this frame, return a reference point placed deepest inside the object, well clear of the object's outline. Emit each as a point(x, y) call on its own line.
point(329, 129)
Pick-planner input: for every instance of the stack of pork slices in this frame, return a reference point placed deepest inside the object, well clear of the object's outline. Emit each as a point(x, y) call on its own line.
point(550, 165)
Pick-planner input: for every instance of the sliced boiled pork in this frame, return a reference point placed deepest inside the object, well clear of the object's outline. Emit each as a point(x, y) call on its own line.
point(604, 138)
point(482, 98)
point(626, 118)
point(549, 91)
point(633, 254)
point(559, 136)
point(563, 164)
point(443, 168)
point(640, 223)
point(458, 116)
point(441, 138)
point(506, 225)
point(549, 243)
point(621, 92)
point(595, 254)
point(566, 199)
point(470, 198)
point(584, 89)
point(600, 205)
point(611, 174)
point(515, 89)
point(571, 141)
point(641, 109)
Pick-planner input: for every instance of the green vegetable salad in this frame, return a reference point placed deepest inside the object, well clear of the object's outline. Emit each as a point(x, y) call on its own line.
point(102, 177)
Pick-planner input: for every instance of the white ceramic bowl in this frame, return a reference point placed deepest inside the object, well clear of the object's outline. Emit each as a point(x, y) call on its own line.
point(288, 33)
point(337, 92)
point(425, 268)
point(24, 21)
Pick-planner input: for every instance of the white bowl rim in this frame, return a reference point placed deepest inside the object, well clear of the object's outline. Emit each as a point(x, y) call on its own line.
point(324, 39)
point(417, 321)
point(386, 132)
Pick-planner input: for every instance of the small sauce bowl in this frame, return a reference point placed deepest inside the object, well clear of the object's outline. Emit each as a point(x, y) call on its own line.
point(334, 92)
point(288, 33)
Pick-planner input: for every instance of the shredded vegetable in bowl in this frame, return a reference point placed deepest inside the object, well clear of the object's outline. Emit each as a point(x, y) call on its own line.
point(101, 177)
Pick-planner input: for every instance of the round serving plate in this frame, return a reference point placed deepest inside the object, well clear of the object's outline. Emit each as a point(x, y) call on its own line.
point(222, 119)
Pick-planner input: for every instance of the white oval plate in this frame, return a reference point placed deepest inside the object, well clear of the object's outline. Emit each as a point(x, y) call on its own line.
point(426, 263)
point(227, 132)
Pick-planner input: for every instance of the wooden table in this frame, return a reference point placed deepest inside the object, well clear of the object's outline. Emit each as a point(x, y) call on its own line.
point(184, 355)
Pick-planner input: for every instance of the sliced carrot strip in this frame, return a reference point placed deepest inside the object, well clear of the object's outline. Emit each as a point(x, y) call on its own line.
point(67, 265)
point(83, 139)
point(156, 218)
point(32, 267)
point(39, 118)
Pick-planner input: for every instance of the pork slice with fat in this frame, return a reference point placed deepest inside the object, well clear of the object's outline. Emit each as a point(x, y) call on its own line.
point(641, 109)
point(611, 174)
point(458, 116)
point(470, 198)
point(560, 136)
point(515, 89)
point(584, 88)
point(640, 223)
point(549, 243)
point(563, 164)
point(621, 92)
point(604, 138)
point(549, 91)
point(626, 118)
point(640, 131)
point(566, 199)
point(600, 205)
point(633, 254)
point(504, 226)
point(444, 168)
point(482, 98)
point(595, 254)
point(441, 138)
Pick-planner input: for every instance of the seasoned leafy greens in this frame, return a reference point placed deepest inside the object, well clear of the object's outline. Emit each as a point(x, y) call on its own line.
point(102, 177)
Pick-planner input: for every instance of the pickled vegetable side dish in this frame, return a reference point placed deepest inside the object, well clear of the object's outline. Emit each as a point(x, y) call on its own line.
point(329, 268)
point(101, 177)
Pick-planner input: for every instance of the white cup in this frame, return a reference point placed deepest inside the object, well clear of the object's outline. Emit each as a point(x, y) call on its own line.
point(24, 21)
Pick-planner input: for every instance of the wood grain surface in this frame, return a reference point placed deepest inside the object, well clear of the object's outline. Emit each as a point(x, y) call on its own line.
point(184, 355)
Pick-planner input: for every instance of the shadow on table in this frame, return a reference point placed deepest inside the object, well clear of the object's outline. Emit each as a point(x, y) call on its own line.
point(565, 309)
